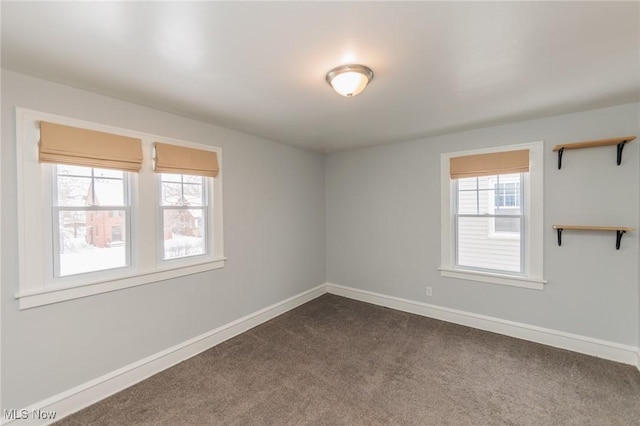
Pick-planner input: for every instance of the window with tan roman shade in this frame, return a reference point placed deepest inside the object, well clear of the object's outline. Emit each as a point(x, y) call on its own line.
point(495, 163)
point(90, 226)
point(82, 147)
point(491, 203)
point(186, 161)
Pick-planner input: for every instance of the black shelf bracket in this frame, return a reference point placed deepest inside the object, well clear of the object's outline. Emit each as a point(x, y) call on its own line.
point(620, 148)
point(559, 231)
point(560, 152)
point(619, 234)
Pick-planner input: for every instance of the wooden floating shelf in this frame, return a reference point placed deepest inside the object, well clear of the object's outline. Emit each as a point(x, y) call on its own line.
point(593, 144)
point(619, 142)
point(620, 231)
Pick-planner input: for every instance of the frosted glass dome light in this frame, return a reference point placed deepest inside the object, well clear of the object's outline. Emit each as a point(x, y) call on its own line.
point(349, 80)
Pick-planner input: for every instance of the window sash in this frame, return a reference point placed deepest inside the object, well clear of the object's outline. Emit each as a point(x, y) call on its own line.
point(456, 224)
point(208, 242)
point(205, 231)
point(56, 209)
point(520, 272)
point(56, 239)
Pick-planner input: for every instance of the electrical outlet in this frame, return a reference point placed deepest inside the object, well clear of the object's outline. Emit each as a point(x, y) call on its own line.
point(429, 292)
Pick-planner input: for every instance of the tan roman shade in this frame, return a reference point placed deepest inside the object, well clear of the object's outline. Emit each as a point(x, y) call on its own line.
point(495, 163)
point(82, 147)
point(187, 161)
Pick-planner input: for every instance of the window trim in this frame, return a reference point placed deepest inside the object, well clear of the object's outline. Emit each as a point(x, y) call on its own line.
point(35, 259)
point(533, 277)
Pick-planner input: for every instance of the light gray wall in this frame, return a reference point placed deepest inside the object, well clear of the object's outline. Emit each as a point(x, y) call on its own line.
point(274, 225)
point(383, 225)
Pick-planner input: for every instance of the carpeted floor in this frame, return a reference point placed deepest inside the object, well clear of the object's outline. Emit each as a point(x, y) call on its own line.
point(335, 361)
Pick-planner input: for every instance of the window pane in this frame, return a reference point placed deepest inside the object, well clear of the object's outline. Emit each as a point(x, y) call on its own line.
point(170, 177)
point(468, 202)
point(507, 195)
point(507, 224)
point(513, 178)
point(73, 191)
point(63, 169)
point(171, 194)
point(192, 195)
point(485, 201)
point(486, 182)
point(508, 191)
point(192, 179)
point(184, 233)
point(91, 241)
point(118, 174)
point(109, 192)
point(478, 248)
point(467, 183)
point(475, 202)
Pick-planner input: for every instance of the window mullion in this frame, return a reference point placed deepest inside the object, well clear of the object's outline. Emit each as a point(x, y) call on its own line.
point(523, 228)
point(93, 188)
point(477, 195)
point(182, 190)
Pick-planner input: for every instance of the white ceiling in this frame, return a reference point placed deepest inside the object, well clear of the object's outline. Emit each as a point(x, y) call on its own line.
point(260, 67)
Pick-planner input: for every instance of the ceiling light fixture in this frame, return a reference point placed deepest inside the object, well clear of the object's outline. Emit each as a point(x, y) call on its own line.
point(349, 80)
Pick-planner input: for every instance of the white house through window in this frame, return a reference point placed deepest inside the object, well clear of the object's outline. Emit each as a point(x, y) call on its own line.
point(507, 193)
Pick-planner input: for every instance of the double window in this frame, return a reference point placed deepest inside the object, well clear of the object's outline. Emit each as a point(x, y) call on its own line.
point(103, 209)
point(492, 215)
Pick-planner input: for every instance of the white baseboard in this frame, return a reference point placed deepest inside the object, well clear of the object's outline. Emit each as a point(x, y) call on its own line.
point(559, 339)
point(88, 393)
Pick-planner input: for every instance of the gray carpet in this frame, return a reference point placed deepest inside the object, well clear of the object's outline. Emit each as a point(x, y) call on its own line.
point(335, 361)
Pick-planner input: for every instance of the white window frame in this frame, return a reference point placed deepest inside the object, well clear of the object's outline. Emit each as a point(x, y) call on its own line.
point(533, 277)
point(37, 283)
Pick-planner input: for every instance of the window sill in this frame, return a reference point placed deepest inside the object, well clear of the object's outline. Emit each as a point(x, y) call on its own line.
point(54, 295)
point(523, 282)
